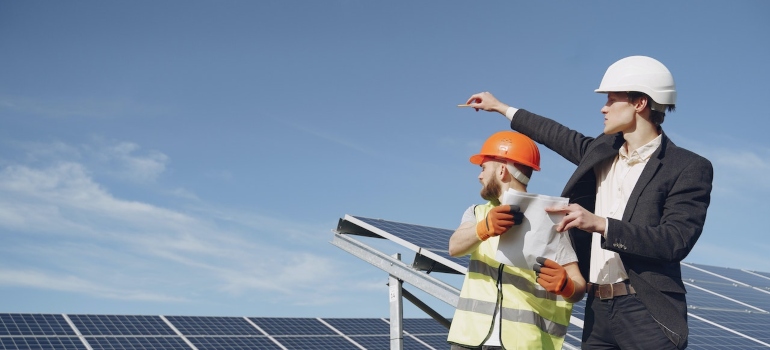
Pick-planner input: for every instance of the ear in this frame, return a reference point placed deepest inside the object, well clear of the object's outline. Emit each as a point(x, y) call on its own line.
point(502, 172)
point(640, 104)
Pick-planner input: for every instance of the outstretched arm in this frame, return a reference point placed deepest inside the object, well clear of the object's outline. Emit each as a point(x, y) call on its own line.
point(486, 101)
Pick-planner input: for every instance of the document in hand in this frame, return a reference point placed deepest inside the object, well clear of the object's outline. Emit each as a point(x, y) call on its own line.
point(536, 236)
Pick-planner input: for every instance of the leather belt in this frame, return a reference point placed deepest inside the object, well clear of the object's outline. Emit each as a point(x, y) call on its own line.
point(609, 291)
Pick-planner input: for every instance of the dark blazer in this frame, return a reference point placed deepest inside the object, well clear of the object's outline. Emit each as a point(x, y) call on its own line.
point(662, 221)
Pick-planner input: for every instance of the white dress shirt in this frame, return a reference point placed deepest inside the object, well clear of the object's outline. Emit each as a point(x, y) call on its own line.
point(615, 179)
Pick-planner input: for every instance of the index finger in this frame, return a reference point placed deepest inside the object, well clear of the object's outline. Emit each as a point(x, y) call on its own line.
point(557, 210)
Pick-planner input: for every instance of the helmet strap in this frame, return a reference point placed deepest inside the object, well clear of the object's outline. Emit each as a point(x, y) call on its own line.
point(518, 175)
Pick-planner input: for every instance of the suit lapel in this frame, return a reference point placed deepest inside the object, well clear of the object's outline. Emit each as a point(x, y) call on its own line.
point(603, 150)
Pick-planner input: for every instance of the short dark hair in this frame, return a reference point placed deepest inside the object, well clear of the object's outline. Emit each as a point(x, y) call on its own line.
point(656, 117)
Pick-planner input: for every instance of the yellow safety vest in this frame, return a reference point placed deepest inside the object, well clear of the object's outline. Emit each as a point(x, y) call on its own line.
point(532, 318)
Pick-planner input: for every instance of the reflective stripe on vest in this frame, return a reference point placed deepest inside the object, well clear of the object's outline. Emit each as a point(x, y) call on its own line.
point(531, 316)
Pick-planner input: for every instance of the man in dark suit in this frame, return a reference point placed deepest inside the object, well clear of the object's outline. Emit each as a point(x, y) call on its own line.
point(637, 206)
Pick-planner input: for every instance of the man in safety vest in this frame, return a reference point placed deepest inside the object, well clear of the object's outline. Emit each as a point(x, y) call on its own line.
point(502, 306)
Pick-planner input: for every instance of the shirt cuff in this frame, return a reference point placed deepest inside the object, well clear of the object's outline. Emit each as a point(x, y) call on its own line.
point(606, 227)
point(510, 112)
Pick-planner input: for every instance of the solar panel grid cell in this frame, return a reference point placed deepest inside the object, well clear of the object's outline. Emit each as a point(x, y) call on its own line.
point(755, 279)
point(423, 236)
point(292, 326)
point(34, 324)
point(765, 274)
point(423, 326)
point(574, 335)
point(321, 343)
point(233, 343)
point(120, 325)
point(192, 325)
point(41, 343)
point(752, 325)
point(357, 326)
point(137, 343)
point(436, 341)
point(381, 342)
point(751, 298)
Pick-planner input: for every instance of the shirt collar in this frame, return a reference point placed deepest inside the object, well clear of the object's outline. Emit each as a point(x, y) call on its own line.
point(641, 154)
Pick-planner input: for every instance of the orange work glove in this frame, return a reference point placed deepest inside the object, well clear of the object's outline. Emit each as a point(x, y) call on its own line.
point(499, 220)
point(553, 277)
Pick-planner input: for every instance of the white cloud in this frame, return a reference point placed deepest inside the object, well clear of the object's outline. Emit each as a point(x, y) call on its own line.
point(74, 232)
point(133, 167)
point(29, 278)
point(118, 159)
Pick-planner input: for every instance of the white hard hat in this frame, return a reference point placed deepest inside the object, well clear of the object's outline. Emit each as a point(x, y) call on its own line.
point(641, 74)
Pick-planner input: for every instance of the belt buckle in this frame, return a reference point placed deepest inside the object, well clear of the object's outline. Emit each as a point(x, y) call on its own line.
point(606, 291)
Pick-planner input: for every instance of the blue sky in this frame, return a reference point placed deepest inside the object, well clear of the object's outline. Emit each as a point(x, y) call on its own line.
point(192, 157)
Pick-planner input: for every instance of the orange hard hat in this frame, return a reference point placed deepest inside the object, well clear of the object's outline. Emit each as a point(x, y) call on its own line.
point(512, 146)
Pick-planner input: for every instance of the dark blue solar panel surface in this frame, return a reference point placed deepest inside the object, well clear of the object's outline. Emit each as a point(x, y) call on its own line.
point(137, 343)
point(435, 341)
point(751, 324)
point(755, 279)
point(433, 239)
point(766, 274)
point(423, 326)
point(750, 289)
point(233, 343)
point(192, 325)
point(357, 326)
point(704, 335)
point(34, 324)
point(120, 325)
point(292, 326)
point(41, 343)
point(320, 342)
point(383, 342)
point(423, 236)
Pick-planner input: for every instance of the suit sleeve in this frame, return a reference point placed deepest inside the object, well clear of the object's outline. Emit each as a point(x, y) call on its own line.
point(673, 220)
point(568, 143)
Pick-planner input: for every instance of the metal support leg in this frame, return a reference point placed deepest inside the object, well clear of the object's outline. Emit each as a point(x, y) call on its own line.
point(396, 311)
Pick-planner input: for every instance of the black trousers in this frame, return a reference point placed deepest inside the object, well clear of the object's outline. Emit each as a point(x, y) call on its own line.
point(622, 323)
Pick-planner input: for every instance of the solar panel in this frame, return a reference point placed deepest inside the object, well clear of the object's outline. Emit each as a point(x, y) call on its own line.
point(131, 332)
point(292, 326)
point(431, 244)
point(327, 342)
point(423, 326)
point(137, 343)
point(357, 326)
point(41, 343)
point(34, 324)
point(233, 343)
point(736, 328)
point(120, 325)
point(195, 325)
point(437, 341)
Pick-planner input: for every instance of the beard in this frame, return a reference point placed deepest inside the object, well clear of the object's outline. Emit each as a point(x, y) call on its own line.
point(491, 190)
